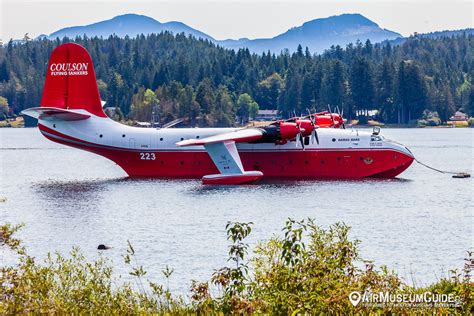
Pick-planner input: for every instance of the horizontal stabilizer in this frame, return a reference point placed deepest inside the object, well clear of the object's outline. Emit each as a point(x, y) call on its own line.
point(50, 113)
point(241, 136)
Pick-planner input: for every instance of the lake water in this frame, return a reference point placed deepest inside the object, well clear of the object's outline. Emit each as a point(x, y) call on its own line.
point(420, 224)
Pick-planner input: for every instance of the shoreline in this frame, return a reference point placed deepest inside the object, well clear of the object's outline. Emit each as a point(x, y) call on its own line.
point(19, 122)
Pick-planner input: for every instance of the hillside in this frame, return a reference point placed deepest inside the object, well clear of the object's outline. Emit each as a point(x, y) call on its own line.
point(196, 79)
point(317, 35)
point(128, 24)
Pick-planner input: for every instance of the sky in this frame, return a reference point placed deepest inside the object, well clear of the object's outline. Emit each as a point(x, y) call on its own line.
point(233, 19)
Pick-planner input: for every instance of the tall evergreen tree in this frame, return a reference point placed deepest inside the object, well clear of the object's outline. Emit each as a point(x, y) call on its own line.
point(411, 94)
point(4, 75)
point(384, 99)
point(361, 83)
point(333, 87)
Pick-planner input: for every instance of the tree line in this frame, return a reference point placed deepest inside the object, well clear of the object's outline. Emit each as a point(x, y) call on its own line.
point(176, 76)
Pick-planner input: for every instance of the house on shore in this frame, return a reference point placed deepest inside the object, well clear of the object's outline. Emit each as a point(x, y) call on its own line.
point(267, 115)
point(459, 116)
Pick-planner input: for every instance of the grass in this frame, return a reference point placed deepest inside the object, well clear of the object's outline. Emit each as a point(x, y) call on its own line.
point(308, 270)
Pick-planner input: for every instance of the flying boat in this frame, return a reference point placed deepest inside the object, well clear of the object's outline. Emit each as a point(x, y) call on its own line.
point(313, 146)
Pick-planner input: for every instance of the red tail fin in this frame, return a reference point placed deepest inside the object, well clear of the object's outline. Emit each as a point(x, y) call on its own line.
point(70, 81)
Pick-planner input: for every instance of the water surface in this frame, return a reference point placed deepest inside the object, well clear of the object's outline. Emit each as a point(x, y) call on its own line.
point(419, 224)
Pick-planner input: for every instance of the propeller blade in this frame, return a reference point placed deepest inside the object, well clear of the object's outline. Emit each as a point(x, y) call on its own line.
point(332, 118)
point(299, 140)
point(316, 136)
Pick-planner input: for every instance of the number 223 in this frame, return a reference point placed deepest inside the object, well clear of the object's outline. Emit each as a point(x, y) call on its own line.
point(147, 156)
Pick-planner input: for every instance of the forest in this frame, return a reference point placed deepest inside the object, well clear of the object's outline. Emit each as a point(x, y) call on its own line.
point(178, 76)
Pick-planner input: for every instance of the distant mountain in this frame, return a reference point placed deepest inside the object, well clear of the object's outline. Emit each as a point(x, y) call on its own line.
point(438, 34)
point(317, 34)
point(128, 24)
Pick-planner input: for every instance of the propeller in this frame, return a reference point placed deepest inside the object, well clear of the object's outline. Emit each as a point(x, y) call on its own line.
point(299, 136)
point(314, 134)
point(332, 118)
point(341, 116)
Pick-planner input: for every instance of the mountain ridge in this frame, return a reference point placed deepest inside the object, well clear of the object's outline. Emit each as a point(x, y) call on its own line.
point(317, 34)
point(320, 34)
point(136, 24)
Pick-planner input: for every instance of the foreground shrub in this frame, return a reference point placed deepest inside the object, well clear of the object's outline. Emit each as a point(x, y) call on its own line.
point(73, 285)
point(309, 270)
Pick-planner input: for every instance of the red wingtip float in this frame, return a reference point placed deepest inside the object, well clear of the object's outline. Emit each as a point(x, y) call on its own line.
point(313, 146)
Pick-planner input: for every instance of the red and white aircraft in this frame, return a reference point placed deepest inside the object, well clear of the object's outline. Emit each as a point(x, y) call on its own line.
point(303, 147)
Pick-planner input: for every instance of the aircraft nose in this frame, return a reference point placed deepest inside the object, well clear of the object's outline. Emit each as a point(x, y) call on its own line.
point(401, 147)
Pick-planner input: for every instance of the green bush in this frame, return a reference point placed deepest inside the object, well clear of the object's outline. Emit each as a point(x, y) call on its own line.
point(471, 121)
point(309, 270)
point(74, 286)
point(429, 119)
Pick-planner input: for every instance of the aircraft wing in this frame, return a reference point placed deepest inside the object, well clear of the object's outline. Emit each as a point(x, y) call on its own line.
point(51, 113)
point(225, 157)
point(223, 152)
point(241, 136)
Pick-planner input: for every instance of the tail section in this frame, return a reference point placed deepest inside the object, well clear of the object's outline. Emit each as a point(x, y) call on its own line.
point(70, 81)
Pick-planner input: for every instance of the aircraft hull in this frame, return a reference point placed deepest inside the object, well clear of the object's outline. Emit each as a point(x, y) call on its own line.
point(340, 163)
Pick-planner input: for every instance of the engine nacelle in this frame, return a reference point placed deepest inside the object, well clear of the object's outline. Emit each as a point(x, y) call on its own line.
point(288, 131)
point(279, 132)
point(329, 120)
point(306, 126)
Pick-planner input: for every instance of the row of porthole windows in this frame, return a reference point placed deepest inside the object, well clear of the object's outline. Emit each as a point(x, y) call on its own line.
point(123, 135)
point(182, 138)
